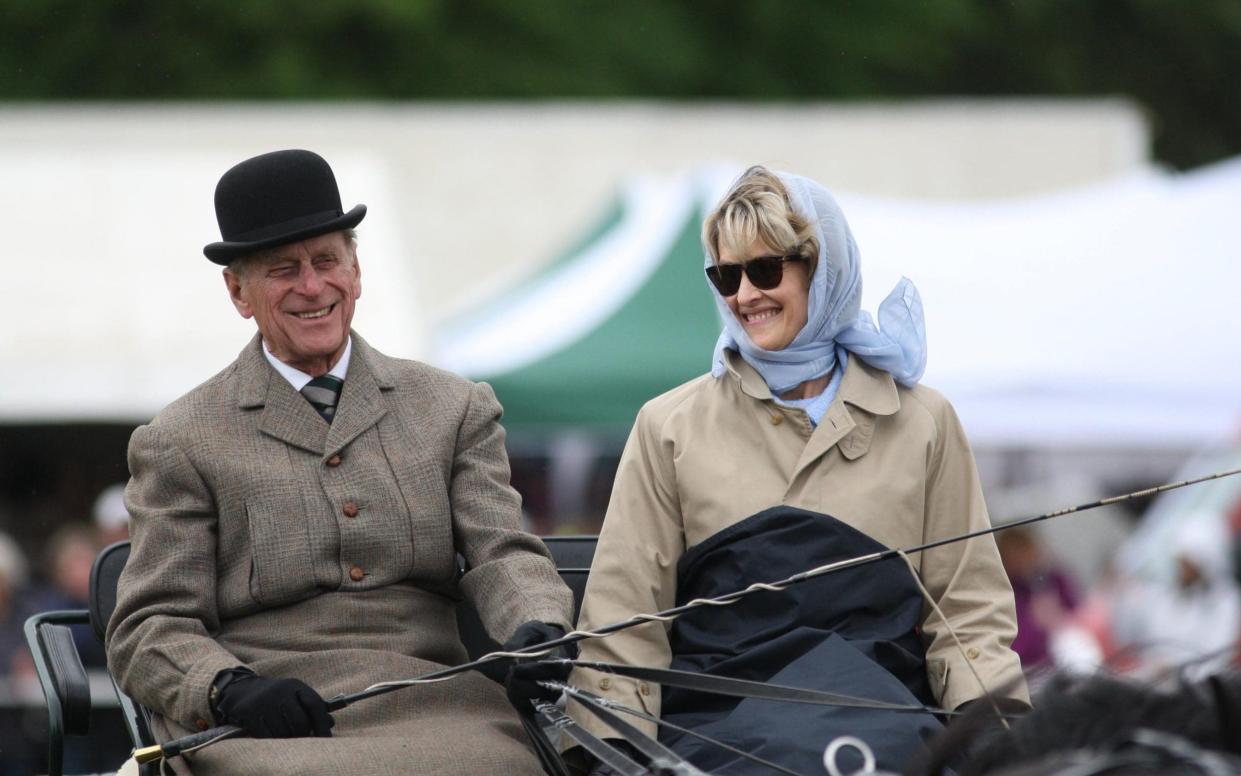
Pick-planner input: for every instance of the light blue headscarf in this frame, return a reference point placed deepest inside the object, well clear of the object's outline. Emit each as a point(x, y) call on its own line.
point(835, 322)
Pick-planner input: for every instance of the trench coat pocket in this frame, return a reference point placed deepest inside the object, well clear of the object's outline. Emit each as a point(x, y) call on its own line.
point(281, 568)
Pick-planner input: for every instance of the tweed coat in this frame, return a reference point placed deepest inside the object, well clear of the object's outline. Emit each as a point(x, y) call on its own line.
point(265, 537)
point(890, 461)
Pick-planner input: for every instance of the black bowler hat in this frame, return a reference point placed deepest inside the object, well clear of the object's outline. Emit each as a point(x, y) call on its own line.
point(276, 199)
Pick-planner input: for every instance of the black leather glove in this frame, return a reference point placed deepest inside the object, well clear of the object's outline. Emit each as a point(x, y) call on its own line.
point(270, 708)
point(521, 678)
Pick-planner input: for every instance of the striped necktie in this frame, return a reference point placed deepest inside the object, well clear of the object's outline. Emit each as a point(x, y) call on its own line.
point(322, 393)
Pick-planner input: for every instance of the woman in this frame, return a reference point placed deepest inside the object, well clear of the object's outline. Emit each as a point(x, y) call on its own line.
point(810, 440)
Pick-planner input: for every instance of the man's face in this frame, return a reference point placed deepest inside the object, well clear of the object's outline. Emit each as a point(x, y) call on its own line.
point(301, 296)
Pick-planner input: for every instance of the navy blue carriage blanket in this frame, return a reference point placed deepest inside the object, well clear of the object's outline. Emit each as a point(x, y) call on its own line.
point(854, 632)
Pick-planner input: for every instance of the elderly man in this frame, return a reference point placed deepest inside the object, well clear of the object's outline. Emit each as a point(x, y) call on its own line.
point(296, 521)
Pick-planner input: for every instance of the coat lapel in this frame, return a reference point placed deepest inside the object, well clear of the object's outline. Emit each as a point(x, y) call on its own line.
point(836, 425)
point(849, 424)
point(286, 415)
point(361, 402)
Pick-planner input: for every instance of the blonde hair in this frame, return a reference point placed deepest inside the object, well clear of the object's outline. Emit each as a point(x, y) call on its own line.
point(757, 207)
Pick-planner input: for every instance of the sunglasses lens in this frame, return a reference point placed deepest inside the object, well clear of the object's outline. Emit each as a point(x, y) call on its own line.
point(765, 273)
point(725, 277)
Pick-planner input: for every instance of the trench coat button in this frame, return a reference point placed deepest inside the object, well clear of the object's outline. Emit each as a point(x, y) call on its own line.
point(201, 724)
point(356, 573)
point(776, 418)
point(644, 688)
point(350, 509)
point(334, 461)
point(605, 683)
point(972, 653)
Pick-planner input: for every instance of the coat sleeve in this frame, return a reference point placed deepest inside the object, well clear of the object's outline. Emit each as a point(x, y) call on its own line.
point(634, 572)
point(966, 579)
point(159, 639)
point(511, 577)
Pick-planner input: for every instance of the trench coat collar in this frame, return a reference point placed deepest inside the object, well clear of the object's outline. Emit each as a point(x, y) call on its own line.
point(873, 393)
point(286, 415)
point(863, 386)
point(870, 390)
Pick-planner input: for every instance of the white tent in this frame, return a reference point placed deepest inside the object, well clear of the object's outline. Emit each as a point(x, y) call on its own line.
point(1104, 317)
point(1100, 317)
point(111, 309)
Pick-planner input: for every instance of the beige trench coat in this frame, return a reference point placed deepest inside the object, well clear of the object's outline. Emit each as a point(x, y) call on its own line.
point(889, 461)
point(264, 537)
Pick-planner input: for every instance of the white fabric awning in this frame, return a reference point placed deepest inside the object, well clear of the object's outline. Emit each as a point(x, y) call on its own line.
point(113, 311)
point(1100, 317)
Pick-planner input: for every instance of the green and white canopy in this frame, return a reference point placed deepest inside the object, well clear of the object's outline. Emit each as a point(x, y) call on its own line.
point(617, 320)
point(1100, 317)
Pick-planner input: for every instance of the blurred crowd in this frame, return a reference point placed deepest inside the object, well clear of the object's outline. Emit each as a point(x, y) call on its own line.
point(1148, 625)
point(1177, 616)
point(58, 577)
point(1175, 620)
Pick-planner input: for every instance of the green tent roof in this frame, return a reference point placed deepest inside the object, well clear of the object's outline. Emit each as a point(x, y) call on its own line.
point(623, 317)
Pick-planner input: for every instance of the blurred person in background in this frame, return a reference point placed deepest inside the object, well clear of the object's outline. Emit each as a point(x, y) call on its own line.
point(15, 658)
point(296, 521)
point(110, 515)
point(1046, 600)
point(1191, 622)
point(69, 555)
point(22, 749)
point(811, 440)
point(1234, 532)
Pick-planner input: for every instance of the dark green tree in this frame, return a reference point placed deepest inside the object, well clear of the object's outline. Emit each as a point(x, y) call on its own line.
point(1182, 61)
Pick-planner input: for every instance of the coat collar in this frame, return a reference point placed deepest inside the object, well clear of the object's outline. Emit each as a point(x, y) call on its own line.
point(286, 415)
point(870, 390)
point(863, 386)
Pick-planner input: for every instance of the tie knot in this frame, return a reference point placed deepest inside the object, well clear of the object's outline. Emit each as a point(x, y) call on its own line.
point(322, 393)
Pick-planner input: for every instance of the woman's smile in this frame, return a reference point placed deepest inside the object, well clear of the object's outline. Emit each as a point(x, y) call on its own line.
point(772, 317)
point(760, 316)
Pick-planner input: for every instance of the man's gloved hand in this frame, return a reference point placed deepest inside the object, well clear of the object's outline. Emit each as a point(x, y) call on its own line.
point(270, 708)
point(521, 678)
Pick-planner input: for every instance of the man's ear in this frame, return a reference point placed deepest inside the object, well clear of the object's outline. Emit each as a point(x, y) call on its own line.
point(233, 282)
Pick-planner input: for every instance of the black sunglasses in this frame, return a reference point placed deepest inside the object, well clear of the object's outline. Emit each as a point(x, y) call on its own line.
point(764, 272)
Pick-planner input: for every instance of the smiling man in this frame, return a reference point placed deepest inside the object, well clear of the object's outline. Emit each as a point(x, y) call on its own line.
point(296, 521)
point(302, 298)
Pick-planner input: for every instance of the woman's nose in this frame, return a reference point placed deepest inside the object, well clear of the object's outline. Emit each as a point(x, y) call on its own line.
point(747, 292)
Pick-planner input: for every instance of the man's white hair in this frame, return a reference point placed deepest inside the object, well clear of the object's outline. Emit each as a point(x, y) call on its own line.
point(238, 265)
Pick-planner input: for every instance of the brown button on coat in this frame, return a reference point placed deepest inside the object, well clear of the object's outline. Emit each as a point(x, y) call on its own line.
point(241, 556)
point(889, 461)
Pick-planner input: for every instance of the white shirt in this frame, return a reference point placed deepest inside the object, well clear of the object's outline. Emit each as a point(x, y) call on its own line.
point(297, 378)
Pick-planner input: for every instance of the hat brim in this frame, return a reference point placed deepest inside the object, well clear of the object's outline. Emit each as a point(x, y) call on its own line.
point(224, 252)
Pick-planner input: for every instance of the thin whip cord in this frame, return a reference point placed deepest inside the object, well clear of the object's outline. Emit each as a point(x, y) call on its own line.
point(724, 600)
point(668, 615)
point(729, 598)
point(615, 705)
point(986, 691)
